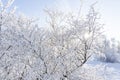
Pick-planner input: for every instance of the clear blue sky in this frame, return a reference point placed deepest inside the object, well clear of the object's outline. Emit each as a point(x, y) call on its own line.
point(109, 9)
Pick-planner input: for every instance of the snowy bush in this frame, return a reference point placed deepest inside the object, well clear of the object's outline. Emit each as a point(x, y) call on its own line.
point(98, 72)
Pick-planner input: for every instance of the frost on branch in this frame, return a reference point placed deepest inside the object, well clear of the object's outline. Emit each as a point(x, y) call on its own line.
point(29, 52)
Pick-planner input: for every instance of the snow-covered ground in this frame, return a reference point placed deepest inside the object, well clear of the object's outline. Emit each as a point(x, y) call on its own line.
point(102, 70)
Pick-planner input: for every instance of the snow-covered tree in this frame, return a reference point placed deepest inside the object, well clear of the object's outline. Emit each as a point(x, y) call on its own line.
point(29, 52)
point(72, 41)
point(108, 50)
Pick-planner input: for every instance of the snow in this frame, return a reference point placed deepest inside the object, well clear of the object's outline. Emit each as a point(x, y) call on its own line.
point(109, 71)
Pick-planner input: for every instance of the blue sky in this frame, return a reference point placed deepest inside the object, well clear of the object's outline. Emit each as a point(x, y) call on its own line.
point(109, 10)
